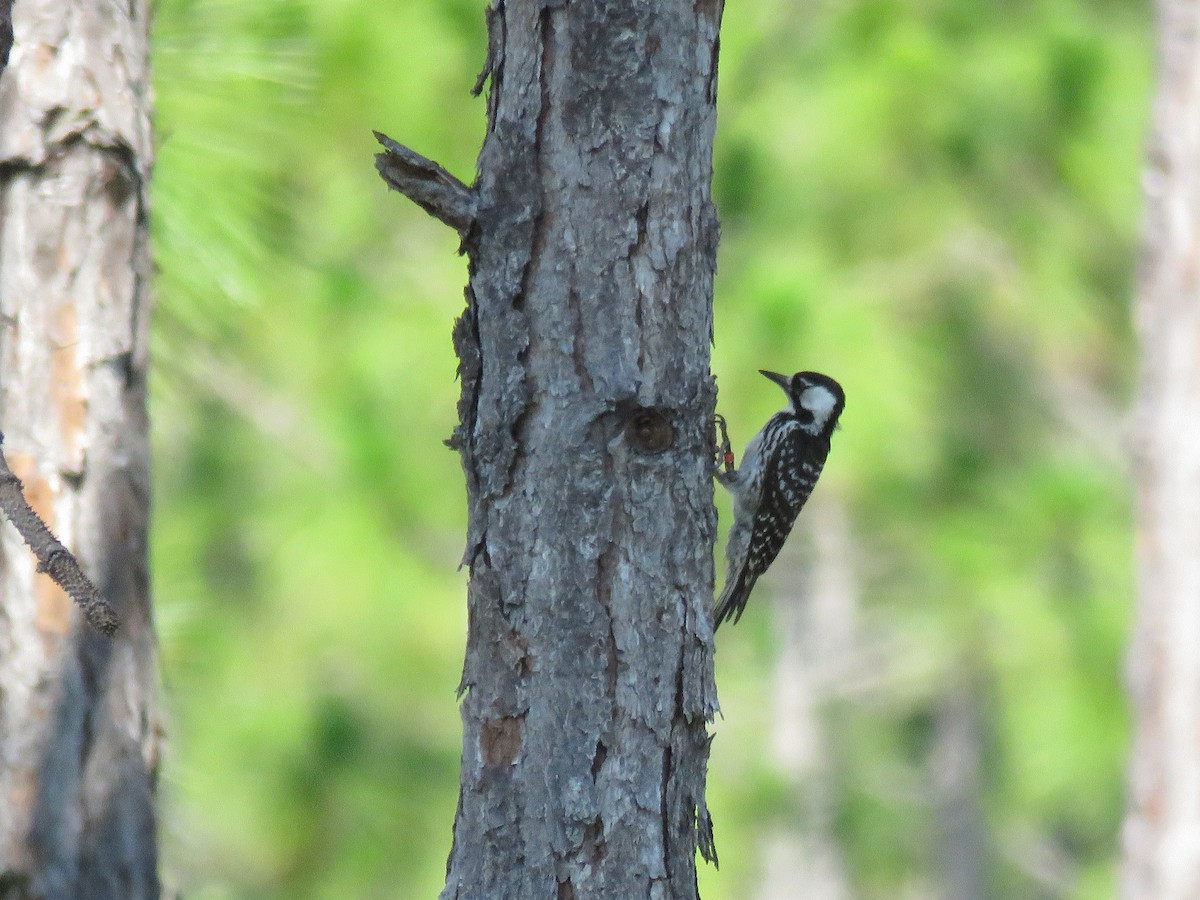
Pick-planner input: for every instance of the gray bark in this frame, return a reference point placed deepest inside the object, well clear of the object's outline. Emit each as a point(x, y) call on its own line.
point(587, 445)
point(1162, 828)
point(79, 739)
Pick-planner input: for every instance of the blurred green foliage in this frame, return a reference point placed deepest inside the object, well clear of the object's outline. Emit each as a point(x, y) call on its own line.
point(936, 202)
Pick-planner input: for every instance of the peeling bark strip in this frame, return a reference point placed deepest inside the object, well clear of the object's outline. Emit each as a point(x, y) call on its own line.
point(53, 558)
point(586, 441)
point(79, 738)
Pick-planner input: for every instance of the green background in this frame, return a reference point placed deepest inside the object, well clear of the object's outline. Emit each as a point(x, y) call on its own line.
point(936, 202)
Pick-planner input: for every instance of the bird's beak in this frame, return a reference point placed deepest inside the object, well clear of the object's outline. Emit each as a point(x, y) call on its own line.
point(782, 380)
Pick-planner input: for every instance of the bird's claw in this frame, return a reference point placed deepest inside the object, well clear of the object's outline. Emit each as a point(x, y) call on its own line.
point(723, 453)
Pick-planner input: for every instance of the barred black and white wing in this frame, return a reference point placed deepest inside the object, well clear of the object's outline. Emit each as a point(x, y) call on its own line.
point(779, 473)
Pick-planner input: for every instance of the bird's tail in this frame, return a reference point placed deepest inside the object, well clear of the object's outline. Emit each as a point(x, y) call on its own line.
point(732, 602)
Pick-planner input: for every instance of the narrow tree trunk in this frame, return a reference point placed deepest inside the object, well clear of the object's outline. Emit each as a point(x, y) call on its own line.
point(6, 34)
point(78, 734)
point(956, 773)
point(815, 625)
point(587, 444)
point(1162, 830)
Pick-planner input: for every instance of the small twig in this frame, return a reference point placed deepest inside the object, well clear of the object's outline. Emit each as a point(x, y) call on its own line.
point(53, 558)
point(426, 184)
point(494, 52)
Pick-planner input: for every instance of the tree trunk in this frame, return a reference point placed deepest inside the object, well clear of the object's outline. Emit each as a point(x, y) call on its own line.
point(78, 735)
point(814, 620)
point(1162, 830)
point(587, 444)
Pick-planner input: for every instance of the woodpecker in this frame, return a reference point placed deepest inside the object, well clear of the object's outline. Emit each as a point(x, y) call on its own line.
point(779, 470)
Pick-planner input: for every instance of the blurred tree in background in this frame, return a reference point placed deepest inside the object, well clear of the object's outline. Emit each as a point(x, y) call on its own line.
point(80, 734)
point(935, 203)
point(1161, 852)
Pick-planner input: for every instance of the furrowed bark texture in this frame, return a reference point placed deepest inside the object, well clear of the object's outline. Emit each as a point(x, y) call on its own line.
point(1162, 828)
point(587, 444)
point(78, 734)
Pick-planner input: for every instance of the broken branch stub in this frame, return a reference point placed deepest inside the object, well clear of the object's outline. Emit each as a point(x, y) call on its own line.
point(426, 184)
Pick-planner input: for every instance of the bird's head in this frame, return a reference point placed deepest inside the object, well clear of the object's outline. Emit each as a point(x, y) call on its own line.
point(817, 400)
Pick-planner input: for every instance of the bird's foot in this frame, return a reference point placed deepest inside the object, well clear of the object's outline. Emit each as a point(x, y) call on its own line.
point(723, 451)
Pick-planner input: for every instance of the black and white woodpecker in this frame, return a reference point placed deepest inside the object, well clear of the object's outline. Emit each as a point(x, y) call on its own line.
point(779, 470)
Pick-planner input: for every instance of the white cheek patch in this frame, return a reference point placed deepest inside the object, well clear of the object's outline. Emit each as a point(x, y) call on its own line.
point(821, 402)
